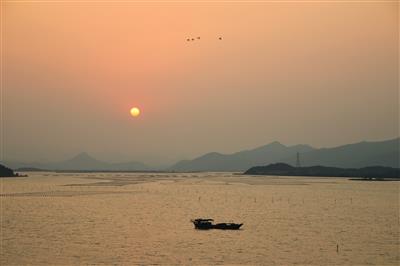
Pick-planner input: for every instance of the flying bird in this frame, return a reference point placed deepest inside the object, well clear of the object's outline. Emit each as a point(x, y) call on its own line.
point(198, 38)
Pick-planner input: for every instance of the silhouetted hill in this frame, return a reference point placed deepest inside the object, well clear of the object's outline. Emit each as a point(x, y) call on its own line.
point(6, 172)
point(363, 154)
point(282, 169)
point(82, 161)
point(240, 161)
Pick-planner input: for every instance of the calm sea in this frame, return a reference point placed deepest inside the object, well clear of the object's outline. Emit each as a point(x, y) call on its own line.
point(144, 218)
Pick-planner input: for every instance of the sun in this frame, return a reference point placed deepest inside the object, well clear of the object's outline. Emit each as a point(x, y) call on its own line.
point(135, 111)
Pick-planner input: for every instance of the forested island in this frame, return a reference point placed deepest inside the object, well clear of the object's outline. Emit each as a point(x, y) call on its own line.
point(282, 169)
point(6, 172)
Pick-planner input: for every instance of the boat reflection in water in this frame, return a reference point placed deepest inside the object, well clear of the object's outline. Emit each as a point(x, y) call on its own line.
point(205, 224)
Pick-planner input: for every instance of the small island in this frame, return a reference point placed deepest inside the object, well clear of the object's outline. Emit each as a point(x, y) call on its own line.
point(365, 173)
point(7, 172)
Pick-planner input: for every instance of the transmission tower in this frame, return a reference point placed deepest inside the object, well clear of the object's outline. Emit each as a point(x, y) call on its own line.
point(298, 160)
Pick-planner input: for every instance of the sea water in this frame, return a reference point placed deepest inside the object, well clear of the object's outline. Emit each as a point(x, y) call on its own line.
point(144, 218)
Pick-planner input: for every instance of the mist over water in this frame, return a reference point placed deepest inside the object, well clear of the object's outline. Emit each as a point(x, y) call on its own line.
point(144, 218)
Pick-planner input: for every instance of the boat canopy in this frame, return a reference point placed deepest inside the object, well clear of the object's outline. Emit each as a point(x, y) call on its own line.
point(203, 220)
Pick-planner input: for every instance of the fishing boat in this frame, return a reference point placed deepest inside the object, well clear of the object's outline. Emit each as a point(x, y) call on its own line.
point(205, 224)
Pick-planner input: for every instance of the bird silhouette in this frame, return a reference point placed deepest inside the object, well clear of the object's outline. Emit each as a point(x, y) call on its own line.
point(198, 38)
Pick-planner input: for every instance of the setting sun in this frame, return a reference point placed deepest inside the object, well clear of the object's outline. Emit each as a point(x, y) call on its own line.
point(135, 111)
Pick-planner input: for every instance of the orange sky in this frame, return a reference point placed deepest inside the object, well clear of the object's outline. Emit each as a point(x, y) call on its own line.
point(317, 73)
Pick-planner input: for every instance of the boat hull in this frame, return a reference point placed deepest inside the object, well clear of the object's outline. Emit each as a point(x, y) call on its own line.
point(221, 226)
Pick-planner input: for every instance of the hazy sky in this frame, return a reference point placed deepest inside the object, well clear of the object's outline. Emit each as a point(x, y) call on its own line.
point(324, 74)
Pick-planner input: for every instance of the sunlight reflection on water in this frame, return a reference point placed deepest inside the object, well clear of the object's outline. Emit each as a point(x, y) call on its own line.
point(144, 218)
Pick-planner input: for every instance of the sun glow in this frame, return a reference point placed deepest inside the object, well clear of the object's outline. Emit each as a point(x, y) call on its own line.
point(135, 111)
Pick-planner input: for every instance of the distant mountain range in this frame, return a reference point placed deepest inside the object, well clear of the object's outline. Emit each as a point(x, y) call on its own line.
point(242, 160)
point(362, 154)
point(82, 161)
point(357, 155)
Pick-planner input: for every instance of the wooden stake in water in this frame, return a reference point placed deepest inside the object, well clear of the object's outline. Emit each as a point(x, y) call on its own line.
point(337, 248)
